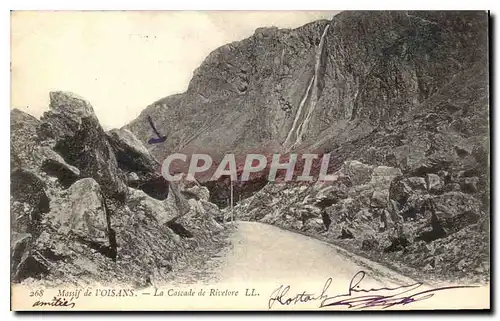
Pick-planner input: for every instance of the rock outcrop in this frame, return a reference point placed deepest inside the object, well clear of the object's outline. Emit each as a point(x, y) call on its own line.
point(71, 129)
point(141, 168)
point(390, 217)
point(75, 220)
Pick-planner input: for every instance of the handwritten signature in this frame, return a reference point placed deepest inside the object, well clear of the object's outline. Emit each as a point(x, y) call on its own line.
point(358, 297)
point(56, 302)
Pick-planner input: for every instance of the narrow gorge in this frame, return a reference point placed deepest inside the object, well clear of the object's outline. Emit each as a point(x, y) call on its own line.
point(399, 99)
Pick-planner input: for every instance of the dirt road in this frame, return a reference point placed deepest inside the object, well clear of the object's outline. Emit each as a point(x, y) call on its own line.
point(265, 258)
point(262, 253)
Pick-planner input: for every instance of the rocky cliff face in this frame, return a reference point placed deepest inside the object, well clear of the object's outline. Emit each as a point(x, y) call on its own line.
point(400, 100)
point(90, 206)
point(322, 85)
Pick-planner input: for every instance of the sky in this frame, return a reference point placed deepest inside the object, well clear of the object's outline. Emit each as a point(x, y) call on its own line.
point(122, 61)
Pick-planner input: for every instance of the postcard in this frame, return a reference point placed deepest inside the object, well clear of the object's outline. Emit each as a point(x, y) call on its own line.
point(250, 160)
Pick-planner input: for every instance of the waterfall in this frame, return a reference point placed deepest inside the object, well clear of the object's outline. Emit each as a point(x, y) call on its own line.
point(298, 114)
point(315, 92)
point(308, 101)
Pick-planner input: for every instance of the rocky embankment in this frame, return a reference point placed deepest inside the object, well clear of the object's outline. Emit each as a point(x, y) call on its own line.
point(431, 225)
point(90, 206)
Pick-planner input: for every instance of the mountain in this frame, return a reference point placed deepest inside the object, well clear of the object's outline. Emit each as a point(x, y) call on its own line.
point(319, 86)
point(399, 99)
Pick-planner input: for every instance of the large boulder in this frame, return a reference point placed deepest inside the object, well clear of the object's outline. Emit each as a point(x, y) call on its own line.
point(331, 194)
point(29, 151)
point(401, 189)
point(380, 198)
point(81, 212)
point(382, 176)
point(456, 210)
point(131, 154)
point(176, 197)
point(434, 183)
point(417, 183)
point(54, 165)
point(29, 200)
point(147, 207)
point(24, 140)
point(197, 192)
point(19, 247)
point(470, 185)
point(213, 210)
point(25, 262)
point(357, 172)
point(143, 170)
point(74, 132)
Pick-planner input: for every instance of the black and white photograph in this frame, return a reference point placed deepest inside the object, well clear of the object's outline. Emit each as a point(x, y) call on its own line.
point(250, 160)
